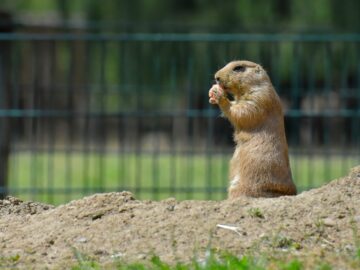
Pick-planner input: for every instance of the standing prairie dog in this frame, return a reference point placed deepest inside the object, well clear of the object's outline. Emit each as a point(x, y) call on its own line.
point(260, 164)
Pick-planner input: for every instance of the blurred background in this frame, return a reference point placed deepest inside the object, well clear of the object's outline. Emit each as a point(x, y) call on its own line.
point(100, 96)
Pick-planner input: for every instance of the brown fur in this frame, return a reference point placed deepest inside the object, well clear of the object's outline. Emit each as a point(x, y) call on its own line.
point(260, 164)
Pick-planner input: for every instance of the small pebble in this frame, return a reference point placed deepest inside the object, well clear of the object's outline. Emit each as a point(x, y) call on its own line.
point(81, 240)
point(117, 255)
point(141, 257)
point(357, 219)
point(100, 252)
point(349, 248)
point(262, 235)
point(329, 222)
point(6, 202)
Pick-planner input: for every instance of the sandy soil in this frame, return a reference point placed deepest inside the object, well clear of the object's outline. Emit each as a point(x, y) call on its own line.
point(320, 224)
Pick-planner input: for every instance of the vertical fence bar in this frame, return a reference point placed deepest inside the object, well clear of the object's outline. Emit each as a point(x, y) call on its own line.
point(209, 144)
point(68, 92)
point(275, 65)
point(340, 122)
point(102, 120)
point(51, 124)
point(5, 120)
point(173, 105)
point(310, 120)
point(355, 134)
point(295, 102)
point(33, 122)
point(189, 152)
point(86, 151)
point(155, 120)
point(326, 90)
point(121, 122)
point(140, 96)
point(13, 175)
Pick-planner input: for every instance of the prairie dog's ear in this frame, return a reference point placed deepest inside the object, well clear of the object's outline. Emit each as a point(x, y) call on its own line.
point(258, 69)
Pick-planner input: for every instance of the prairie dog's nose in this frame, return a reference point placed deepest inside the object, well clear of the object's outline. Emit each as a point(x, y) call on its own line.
point(217, 77)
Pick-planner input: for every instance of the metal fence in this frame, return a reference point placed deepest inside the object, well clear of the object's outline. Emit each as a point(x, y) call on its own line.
point(97, 113)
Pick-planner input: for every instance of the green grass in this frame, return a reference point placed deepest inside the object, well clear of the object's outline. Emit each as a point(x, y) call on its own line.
point(227, 261)
point(60, 177)
point(255, 212)
point(9, 262)
point(212, 262)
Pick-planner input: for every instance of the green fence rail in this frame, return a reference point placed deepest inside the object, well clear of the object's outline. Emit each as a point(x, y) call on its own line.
point(85, 113)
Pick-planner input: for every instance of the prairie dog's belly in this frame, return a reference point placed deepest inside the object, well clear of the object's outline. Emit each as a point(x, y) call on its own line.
point(257, 159)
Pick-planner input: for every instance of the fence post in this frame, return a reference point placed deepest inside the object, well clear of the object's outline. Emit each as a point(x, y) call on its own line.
point(6, 26)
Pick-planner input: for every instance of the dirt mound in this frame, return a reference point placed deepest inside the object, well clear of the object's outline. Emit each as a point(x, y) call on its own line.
point(12, 205)
point(114, 226)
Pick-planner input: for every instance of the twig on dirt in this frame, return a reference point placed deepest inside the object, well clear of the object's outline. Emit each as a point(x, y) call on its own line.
point(231, 228)
point(328, 242)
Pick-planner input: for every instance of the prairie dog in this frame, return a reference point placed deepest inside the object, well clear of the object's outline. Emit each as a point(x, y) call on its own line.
point(260, 164)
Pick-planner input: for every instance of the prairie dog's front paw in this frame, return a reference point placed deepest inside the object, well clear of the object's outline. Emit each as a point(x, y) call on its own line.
point(216, 93)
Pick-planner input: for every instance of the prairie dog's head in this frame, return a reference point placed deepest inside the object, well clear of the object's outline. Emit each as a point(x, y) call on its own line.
point(238, 77)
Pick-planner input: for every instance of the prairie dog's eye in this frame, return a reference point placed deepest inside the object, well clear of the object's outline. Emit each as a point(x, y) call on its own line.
point(239, 69)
